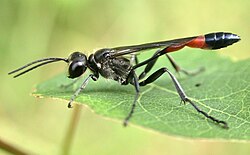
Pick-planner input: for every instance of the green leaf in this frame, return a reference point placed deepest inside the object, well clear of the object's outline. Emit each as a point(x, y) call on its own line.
point(223, 93)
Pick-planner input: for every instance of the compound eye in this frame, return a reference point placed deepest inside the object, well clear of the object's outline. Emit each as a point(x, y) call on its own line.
point(76, 69)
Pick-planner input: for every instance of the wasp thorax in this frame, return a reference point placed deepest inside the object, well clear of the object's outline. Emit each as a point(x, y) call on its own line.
point(77, 64)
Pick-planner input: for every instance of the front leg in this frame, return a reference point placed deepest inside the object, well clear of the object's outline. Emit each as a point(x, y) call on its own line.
point(65, 86)
point(83, 85)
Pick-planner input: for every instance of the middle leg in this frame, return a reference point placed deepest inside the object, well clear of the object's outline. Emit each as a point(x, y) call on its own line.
point(134, 82)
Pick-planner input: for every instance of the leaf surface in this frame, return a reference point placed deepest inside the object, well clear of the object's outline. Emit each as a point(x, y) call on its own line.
point(223, 93)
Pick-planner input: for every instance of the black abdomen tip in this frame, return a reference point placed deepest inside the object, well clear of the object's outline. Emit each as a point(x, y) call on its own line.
point(220, 40)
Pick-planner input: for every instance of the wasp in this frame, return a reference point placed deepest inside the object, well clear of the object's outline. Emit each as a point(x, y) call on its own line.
point(111, 63)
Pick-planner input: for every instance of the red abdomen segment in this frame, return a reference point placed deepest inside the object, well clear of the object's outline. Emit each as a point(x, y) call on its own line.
point(209, 41)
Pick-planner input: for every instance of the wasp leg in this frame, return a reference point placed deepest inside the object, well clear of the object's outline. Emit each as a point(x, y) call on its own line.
point(134, 59)
point(181, 93)
point(135, 82)
point(179, 69)
point(83, 85)
point(149, 66)
point(69, 84)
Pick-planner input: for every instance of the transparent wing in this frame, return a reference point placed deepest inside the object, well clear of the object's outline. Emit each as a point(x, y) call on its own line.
point(123, 50)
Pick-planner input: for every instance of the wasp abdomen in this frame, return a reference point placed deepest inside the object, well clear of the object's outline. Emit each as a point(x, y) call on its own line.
point(220, 40)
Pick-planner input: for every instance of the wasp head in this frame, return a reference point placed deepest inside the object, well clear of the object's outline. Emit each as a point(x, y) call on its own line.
point(77, 64)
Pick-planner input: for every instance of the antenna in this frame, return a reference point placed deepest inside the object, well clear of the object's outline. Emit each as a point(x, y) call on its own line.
point(46, 61)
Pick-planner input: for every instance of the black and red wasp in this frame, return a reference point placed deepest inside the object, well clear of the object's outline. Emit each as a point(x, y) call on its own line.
point(111, 63)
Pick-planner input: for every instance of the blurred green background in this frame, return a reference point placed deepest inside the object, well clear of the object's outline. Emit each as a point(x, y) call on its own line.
point(33, 29)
